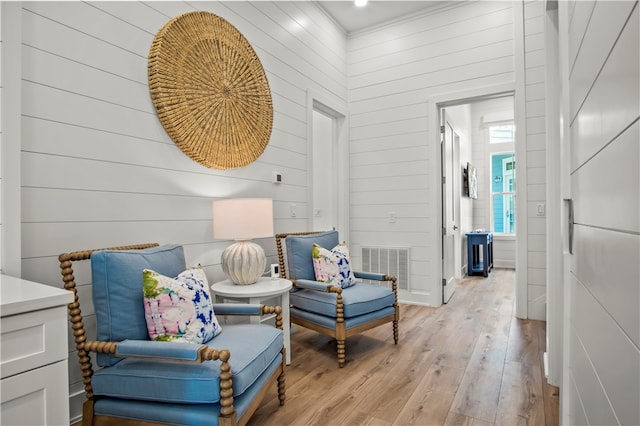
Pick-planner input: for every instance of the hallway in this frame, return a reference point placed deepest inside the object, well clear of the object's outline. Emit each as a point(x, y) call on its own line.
point(468, 362)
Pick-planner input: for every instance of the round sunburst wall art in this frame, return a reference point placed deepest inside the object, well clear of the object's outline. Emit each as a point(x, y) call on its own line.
point(210, 91)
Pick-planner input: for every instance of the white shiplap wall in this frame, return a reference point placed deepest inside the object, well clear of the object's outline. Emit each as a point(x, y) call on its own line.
point(603, 299)
point(97, 167)
point(392, 72)
point(1, 132)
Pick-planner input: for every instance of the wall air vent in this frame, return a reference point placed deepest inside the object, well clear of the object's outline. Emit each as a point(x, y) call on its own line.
point(388, 260)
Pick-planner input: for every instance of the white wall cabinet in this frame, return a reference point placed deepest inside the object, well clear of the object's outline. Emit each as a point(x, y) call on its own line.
point(33, 353)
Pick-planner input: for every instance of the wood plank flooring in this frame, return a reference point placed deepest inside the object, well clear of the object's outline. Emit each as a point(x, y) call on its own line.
point(469, 362)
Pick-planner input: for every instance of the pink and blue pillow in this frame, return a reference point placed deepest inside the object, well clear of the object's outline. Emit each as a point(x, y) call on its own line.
point(179, 309)
point(332, 266)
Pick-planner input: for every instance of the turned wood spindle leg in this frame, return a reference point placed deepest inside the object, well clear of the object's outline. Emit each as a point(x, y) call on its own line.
point(341, 353)
point(281, 387)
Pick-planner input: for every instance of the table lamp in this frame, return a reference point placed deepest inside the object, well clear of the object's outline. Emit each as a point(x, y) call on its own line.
point(242, 219)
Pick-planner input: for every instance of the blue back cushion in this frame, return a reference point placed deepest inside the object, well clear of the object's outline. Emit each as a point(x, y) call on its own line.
point(117, 290)
point(299, 260)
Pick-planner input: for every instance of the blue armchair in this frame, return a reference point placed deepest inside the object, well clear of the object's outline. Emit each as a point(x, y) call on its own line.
point(330, 309)
point(219, 382)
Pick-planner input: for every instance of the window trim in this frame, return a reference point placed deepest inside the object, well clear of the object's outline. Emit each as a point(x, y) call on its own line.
point(500, 124)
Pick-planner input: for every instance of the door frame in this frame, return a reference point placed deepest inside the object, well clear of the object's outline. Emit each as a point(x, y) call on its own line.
point(11, 232)
point(557, 169)
point(324, 144)
point(434, 104)
point(337, 109)
point(457, 195)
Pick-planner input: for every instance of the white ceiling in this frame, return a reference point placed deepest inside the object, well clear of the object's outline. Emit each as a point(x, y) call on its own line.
point(353, 18)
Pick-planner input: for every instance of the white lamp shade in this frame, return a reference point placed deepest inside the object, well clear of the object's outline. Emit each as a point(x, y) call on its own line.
point(243, 218)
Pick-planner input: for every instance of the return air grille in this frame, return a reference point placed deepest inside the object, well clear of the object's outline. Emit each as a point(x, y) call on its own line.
point(388, 260)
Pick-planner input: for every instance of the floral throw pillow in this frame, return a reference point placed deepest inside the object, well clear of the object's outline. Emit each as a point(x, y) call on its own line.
point(332, 266)
point(179, 309)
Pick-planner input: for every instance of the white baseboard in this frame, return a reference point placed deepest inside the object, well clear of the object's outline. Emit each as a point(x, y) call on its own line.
point(504, 263)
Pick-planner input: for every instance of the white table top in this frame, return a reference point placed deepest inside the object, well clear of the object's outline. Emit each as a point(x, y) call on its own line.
point(265, 286)
point(20, 296)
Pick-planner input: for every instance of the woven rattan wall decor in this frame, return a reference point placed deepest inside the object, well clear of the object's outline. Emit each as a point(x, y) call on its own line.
point(210, 91)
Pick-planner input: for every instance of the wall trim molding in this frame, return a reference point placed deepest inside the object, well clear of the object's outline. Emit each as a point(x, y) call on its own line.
point(522, 243)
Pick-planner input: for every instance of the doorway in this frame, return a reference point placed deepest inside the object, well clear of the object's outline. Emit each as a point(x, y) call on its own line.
point(465, 139)
point(324, 214)
point(327, 162)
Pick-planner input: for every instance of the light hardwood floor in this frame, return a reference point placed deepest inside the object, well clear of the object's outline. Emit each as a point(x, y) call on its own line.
point(469, 362)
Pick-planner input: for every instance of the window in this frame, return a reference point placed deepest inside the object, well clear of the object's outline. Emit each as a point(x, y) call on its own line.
point(503, 192)
point(501, 133)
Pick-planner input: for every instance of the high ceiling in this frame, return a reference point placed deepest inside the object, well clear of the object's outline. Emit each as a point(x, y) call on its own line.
point(353, 18)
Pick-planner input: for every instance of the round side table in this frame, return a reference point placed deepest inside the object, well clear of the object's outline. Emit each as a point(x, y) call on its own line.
point(265, 288)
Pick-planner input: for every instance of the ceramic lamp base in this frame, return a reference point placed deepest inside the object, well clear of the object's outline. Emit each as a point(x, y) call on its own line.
point(243, 262)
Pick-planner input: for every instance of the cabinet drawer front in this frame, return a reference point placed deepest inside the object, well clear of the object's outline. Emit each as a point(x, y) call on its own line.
point(33, 339)
point(37, 397)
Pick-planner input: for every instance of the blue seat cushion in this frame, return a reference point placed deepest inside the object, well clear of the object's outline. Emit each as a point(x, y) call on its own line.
point(181, 414)
point(117, 290)
point(299, 258)
point(253, 348)
point(359, 299)
point(330, 322)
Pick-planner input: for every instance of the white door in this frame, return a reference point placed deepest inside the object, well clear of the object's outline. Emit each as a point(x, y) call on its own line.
point(449, 219)
point(602, 304)
point(324, 209)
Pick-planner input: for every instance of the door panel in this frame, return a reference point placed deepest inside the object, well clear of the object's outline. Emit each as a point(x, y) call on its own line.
point(599, 255)
point(602, 360)
point(449, 219)
point(601, 187)
point(324, 209)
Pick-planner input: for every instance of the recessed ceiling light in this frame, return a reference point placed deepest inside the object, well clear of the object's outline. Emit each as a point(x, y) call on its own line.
point(360, 3)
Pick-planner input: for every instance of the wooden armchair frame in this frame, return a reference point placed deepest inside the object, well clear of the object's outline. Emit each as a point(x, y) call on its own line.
point(227, 416)
point(340, 332)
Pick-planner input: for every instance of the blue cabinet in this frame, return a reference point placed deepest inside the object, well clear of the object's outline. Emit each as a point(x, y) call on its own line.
point(479, 253)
